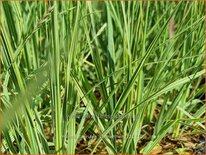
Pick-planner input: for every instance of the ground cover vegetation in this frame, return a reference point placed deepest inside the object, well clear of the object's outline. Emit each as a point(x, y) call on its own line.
point(102, 77)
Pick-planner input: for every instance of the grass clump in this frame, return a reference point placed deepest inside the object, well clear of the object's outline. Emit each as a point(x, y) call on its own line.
point(106, 77)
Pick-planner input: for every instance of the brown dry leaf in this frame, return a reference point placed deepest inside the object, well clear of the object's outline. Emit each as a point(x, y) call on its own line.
point(184, 139)
point(189, 145)
point(168, 146)
point(157, 149)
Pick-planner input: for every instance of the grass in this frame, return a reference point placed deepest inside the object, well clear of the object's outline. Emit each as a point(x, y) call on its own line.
point(91, 77)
